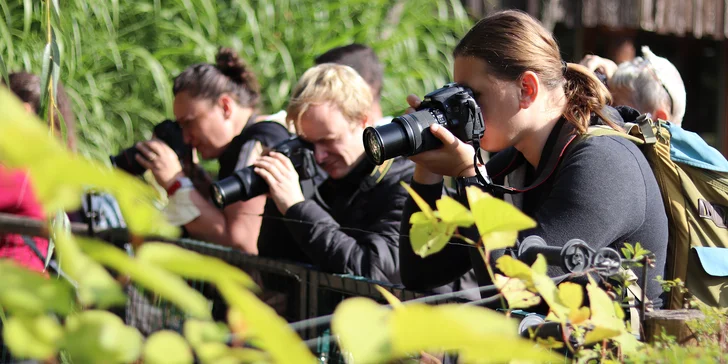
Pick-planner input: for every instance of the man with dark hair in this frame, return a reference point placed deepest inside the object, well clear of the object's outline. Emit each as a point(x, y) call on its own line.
point(364, 61)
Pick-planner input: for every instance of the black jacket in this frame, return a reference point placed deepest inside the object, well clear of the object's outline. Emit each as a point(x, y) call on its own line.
point(603, 192)
point(350, 225)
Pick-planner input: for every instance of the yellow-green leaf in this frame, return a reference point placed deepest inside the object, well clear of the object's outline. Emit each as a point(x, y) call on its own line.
point(167, 347)
point(169, 286)
point(59, 177)
point(212, 352)
point(477, 333)
point(426, 209)
point(515, 268)
point(430, 237)
point(23, 291)
point(499, 240)
point(95, 284)
point(492, 214)
point(192, 265)
point(363, 330)
point(603, 316)
point(272, 332)
point(571, 295)
point(452, 212)
point(32, 337)
point(199, 332)
point(419, 217)
point(515, 292)
point(99, 336)
point(540, 266)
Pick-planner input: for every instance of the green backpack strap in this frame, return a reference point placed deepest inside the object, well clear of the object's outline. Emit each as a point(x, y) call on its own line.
point(639, 132)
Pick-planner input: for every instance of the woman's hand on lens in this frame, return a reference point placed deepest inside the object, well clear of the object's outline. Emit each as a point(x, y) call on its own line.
point(454, 158)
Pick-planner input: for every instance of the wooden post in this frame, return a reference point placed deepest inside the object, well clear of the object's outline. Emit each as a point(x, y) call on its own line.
point(675, 324)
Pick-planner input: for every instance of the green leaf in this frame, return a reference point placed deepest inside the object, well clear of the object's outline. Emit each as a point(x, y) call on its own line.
point(363, 330)
point(4, 71)
point(166, 346)
point(495, 215)
point(95, 286)
point(95, 336)
point(430, 237)
point(452, 212)
point(499, 240)
point(26, 292)
point(32, 337)
point(272, 332)
point(168, 286)
point(424, 206)
point(192, 265)
point(516, 292)
point(478, 334)
point(603, 316)
point(200, 332)
point(45, 79)
point(59, 178)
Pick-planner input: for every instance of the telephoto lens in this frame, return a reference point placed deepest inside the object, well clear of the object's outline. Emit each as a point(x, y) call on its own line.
point(451, 106)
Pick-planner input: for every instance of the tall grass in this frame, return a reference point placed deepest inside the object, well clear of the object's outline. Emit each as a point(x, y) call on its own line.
point(119, 57)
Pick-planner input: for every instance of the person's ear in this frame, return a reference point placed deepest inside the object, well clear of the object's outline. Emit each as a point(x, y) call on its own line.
point(662, 115)
point(226, 103)
point(367, 120)
point(529, 87)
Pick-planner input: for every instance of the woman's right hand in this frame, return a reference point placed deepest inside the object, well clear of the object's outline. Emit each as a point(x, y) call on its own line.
point(454, 158)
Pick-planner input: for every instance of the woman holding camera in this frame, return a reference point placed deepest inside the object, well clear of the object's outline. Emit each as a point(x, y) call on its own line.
point(600, 190)
point(216, 107)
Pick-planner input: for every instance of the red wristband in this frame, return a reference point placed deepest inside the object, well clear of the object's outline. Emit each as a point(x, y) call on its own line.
point(174, 187)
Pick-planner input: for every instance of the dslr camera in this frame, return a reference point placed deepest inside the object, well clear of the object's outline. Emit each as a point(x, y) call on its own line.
point(245, 184)
point(452, 106)
point(167, 131)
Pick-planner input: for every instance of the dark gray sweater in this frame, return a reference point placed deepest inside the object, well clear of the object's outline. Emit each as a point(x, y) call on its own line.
point(603, 192)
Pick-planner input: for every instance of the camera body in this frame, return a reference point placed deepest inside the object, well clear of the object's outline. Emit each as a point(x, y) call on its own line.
point(245, 184)
point(452, 106)
point(167, 131)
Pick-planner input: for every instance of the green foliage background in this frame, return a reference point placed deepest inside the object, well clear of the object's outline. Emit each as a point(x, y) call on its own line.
point(118, 58)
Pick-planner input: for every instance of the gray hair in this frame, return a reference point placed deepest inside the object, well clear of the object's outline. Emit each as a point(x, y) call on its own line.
point(652, 83)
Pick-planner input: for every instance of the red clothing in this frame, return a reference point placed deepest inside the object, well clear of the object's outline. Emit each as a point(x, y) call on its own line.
point(17, 197)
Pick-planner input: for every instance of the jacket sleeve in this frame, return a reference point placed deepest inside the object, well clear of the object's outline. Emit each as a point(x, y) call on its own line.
point(370, 251)
point(435, 270)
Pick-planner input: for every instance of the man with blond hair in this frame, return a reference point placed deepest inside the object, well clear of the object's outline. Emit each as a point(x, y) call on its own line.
point(351, 223)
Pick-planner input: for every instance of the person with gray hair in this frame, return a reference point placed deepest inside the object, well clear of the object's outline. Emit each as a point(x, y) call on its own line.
point(650, 84)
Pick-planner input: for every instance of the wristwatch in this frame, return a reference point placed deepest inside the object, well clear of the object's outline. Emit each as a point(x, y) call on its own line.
point(178, 183)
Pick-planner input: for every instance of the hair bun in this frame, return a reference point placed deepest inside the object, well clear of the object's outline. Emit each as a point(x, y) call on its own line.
point(230, 65)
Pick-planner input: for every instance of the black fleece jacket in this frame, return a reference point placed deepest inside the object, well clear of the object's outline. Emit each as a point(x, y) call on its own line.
point(603, 192)
point(350, 226)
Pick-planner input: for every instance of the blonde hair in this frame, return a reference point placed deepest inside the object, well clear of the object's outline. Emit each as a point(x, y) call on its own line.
point(512, 42)
point(339, 85)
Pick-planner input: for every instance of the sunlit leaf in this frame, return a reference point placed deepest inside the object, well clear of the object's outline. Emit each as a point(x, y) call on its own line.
point(166, 346)
point(168, 286)
point(492, 214)
point(100, 336)
point(419, 217)
point(499, 239)
point(272, 332)
point(363, 330)
point(199, 332)
point(540, 266)
point(59, 177)
point(192, 265)
point(571, 295)
point(426, 209)
point(26, 292)
point(452, 212)
point(515, 292)
point(430, 237)
point(515, 268)
point(393, 301)
point(32, 337)
point(549, 343)
point(94, 284)
point(477, 333)
point(603, 316)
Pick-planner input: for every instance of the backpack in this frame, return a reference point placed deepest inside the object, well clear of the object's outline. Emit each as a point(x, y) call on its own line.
point(693, 179)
